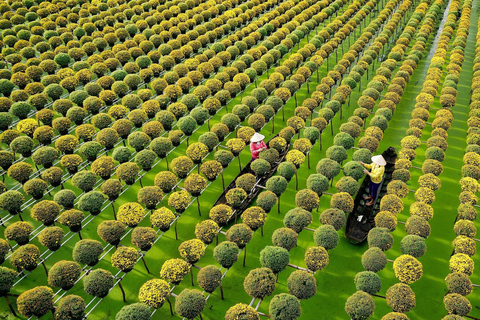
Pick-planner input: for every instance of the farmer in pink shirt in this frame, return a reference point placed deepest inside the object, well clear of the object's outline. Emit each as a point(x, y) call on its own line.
point(257, 145)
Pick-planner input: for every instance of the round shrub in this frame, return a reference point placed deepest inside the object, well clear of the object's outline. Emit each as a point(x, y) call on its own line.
point(35, 302)
point(241, 311)
point(51, 237)
point(240, 234)
point(138, 311)
point(259, 283)
point(274, 258)
point(190, 303)
point(64, 274)
point(302, 284)
point(98, 283)
point(360, 306)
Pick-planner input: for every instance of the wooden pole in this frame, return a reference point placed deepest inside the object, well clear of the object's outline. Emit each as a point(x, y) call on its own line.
point(170, 304)
point(223, 181)
point(244, 255)
point(123, 291)
point(114, 213)
point(176, 233)
point(198, 206)
point(45, 267)
point(191, 276)
point(13, 310)
point(278, 205)
point(145, 263)
point(296, 179)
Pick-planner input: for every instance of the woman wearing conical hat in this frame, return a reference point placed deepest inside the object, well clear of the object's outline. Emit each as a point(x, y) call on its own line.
point(377, 169)
point(257, 145)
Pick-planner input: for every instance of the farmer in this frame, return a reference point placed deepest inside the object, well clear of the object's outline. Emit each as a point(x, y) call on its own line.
point(377, 169)
point(257, 145)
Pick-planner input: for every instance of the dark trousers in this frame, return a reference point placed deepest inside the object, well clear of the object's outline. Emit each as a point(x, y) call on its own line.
point(373, 188)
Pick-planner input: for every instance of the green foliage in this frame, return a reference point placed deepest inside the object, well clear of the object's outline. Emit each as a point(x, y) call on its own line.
point(19, 232)
point(209, 278)
point(287, 170)
point(297, 219)
point(368, 282)
point(72, 219)
point(285, 306)
point(45, 211)
point(190, 303)
point(11, 200)
point(134, 311)
point(259, 283)
point(360, 306)
point(302, 284)
point(98, 283)
point(328, 167)
point(51, 237)
point(64, 274)
point(241, 311)
point(240, 234)
point(274, 258)
point(277, 185)
point(7, 279)
point(326, 236)
point(226, 253)
point(84, 180)
point(111, 231)
point(71, 307)
point(92, 202)
point(87, 251)
point(35, 302)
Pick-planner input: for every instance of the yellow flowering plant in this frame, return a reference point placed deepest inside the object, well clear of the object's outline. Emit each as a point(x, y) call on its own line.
point(236, 145)
point(296, 157)
point(124, 258)
point(162, 218)
point(425, 195)
point(131, 213)
point(179, 200)
point(173, 270)
point(391, 203)
point(407, 269)
point(462, 263)
point(192, 250)
point(154, 293)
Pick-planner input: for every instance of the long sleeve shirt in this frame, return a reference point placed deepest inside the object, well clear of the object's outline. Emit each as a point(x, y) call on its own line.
point(255, 148)
point(376, 173)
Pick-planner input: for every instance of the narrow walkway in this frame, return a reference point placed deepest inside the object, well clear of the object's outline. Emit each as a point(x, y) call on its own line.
point(431, 288)
point(447, 197)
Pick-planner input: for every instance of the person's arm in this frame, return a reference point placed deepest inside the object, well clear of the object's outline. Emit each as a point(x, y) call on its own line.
point(377, 173)
point(368, 166)
point(254, 150)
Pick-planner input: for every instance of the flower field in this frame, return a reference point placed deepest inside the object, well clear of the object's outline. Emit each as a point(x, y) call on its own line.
point(128, 187)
